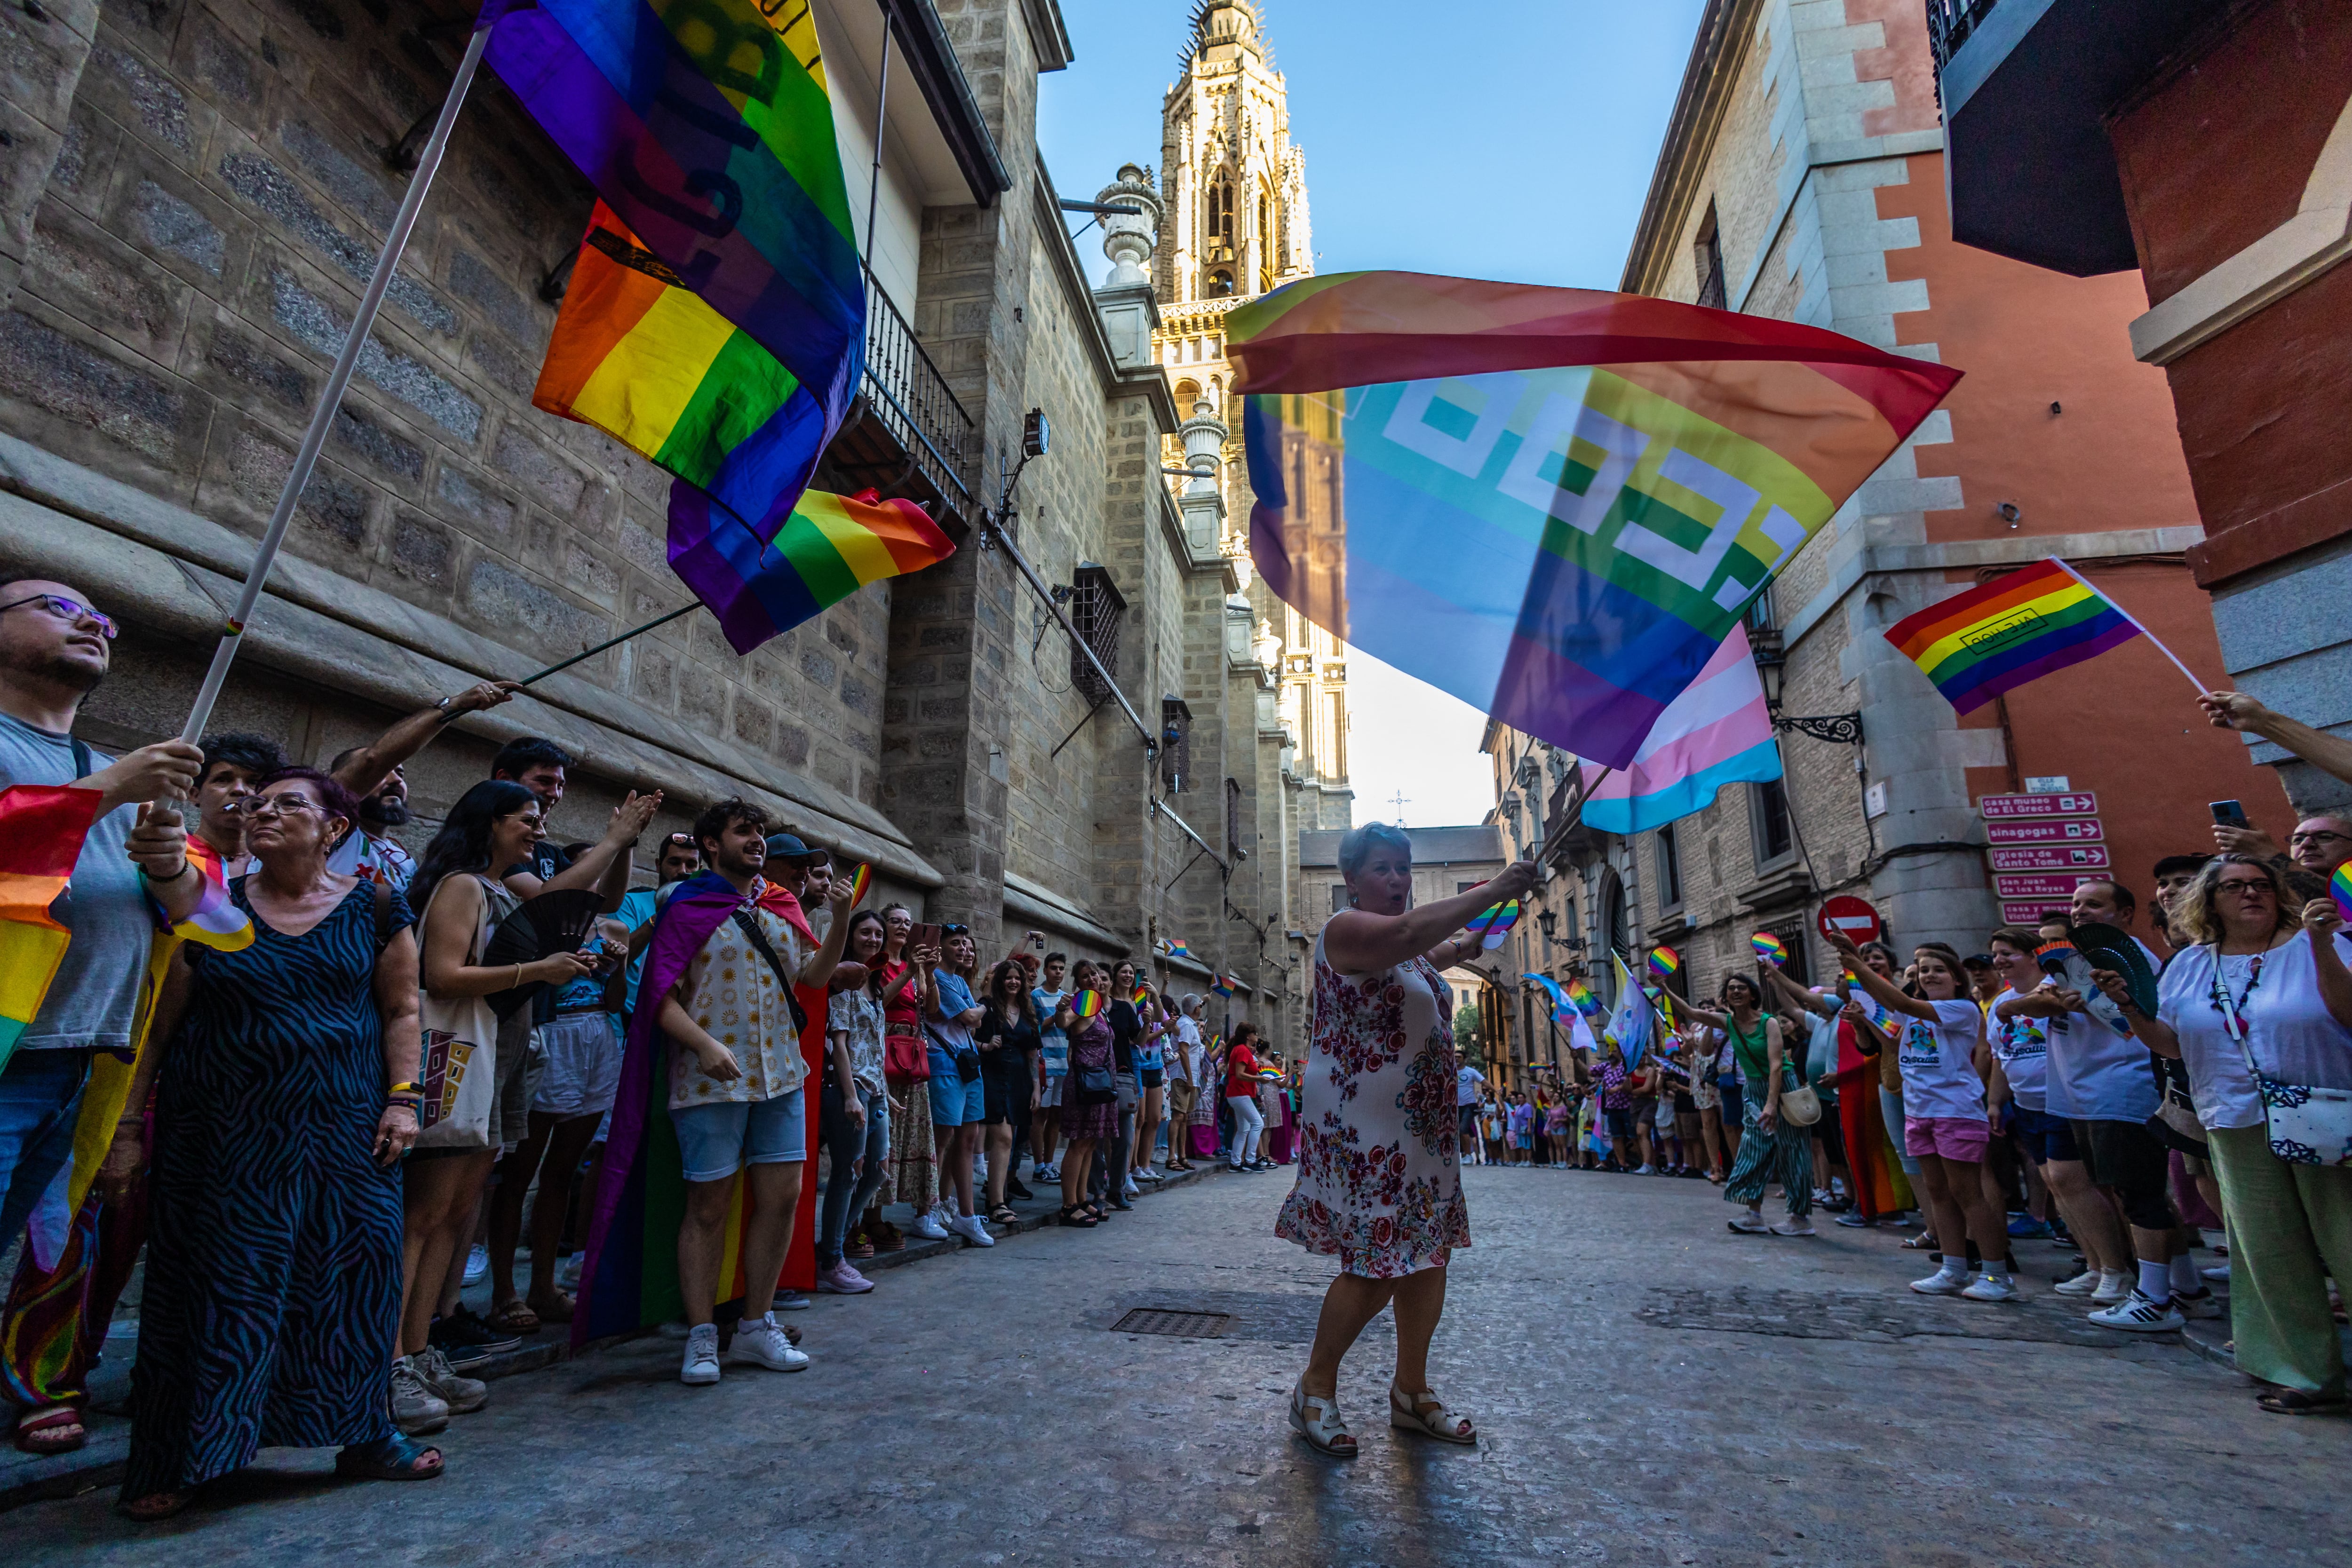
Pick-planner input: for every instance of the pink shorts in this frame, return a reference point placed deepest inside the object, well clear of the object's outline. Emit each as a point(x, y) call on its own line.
point(1947, 1137)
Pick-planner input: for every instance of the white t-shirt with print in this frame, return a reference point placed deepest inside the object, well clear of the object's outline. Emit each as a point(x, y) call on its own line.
point(1466, 1084)
point(2023, 1046)
point(2293, 1036)
point(1939, 1073)
point(2098, 1072)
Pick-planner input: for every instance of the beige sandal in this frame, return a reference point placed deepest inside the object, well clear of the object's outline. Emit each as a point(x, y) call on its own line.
point(1318, 1420)
point(1423, 1413)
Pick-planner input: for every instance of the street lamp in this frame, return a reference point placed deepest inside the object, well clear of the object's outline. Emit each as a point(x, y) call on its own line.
point(1771, 666)
point(1549, 922)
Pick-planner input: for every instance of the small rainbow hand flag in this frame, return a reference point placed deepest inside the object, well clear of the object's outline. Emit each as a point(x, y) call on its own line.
point(1142, 994)
point(1581, 995)
point(859, 881)
point(1977, 645)
point(216, 923)
point(1176, 948)
point(1494, 923)
point(1086, 1004)
point(2341, 886)
point(1665, 962)
point(1769, 949)
point(1222, 985)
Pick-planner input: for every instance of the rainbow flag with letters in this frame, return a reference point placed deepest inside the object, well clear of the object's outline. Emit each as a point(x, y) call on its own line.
point(1554, 503)
point(1977, 645)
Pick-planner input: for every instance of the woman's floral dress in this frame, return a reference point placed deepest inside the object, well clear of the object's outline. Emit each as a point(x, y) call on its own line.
point(1380, 1183)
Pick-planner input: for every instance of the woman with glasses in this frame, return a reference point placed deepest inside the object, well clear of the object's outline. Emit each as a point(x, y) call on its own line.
point(1090, 1099)
point(2261, 1010)
point(283, 1105)
point(959, 1099)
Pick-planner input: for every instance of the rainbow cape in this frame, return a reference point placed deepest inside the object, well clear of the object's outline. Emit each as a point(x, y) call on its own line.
point(1977, 645)
point(1554, 503)
point(630, 1278)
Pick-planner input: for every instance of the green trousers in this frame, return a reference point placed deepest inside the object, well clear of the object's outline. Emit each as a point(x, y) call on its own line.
point(2290, 1228)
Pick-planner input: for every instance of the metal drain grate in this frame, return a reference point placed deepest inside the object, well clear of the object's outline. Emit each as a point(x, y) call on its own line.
point(1183, 1325)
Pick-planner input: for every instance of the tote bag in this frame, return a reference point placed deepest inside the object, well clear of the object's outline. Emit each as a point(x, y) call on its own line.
point(457, 1067)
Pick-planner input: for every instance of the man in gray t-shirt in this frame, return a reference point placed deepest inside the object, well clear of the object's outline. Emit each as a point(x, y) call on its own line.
point(54, 648)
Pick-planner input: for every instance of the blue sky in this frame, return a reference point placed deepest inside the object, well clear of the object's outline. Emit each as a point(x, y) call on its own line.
point(1507, 139)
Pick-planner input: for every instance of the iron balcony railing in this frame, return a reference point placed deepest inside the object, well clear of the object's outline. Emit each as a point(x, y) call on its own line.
point(1949, 22)
point(912, 399)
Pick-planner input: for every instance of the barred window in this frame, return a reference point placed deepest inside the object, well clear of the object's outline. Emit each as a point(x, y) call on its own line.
point(1175, 745)
point(1096, 608)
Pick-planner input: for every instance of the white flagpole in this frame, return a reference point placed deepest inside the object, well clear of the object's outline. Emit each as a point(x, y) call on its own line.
point(2127, 614)
point(330, 397)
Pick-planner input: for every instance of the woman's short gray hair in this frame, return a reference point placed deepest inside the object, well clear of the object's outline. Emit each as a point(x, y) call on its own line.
point(1358, 846)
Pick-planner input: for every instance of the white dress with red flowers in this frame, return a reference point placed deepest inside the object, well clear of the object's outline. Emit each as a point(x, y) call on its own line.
point(1379, 1181)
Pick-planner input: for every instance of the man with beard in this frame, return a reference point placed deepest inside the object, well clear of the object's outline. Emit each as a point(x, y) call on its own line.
point(67, 810)
point(375, 772)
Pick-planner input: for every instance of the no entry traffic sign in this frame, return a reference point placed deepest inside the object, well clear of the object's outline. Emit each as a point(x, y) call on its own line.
point(1850, 918)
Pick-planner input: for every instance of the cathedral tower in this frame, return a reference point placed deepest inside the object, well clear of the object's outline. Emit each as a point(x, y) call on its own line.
point(1233, 190)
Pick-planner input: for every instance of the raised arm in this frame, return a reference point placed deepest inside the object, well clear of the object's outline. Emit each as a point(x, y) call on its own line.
point(365, 771)
point(2236, 711)
point(2148, 1030)
point(605, 864)
point(1357, 942)
point(1888, 995)
point(1798, 996)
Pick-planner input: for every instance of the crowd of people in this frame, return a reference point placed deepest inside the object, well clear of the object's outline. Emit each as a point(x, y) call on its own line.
point(318, 1080)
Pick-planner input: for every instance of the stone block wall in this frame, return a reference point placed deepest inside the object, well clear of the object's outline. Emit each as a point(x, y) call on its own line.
point(216, 204)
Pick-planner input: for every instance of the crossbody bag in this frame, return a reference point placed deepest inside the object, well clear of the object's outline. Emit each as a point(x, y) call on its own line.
point(2307, 1125)
point(759, 940)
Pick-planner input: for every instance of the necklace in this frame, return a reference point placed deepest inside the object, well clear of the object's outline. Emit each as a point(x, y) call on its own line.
point(2233, 1009)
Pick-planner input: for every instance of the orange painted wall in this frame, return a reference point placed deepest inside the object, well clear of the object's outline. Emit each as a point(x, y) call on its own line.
point(2124, 724)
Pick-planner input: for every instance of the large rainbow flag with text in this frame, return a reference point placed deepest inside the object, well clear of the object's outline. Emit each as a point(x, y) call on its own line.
point(1553, 503)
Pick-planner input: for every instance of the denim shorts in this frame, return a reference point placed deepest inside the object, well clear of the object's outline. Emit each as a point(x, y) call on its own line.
point(2045, 1137)
point(714, 1141)
point(954, 1101)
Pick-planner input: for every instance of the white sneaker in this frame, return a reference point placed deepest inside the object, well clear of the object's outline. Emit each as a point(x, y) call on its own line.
point(478, 1263)
point(2113, 1287)
point(1046, 1174)
point(972, 1230)
point(2219, 1272)
point(1943, 1282)
point(567, 1276)
point(929, 1227)
point(1128, 1189)
point(761, 1341)
point(1750, 1224)
point(2202, 1304)
point(2136, 1314)
point(1992, 1287)
point(1147, 1174)
point(1792, 1226)
point(463, 1396)
point(701, 1364)
point(1642, 1171)
point(417, 1410)
point(2083, 1284)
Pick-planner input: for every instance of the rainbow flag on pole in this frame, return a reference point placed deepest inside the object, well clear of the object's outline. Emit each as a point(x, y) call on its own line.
point(41, 831)
point(822, 549)
point(705, 125)
point(1977, 645)
point(1554, 503)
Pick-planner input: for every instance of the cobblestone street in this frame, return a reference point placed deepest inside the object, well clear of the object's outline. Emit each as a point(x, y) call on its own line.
point(1652, 1389)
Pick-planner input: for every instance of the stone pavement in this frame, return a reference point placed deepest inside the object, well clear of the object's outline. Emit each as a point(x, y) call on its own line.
point(1652, 1389)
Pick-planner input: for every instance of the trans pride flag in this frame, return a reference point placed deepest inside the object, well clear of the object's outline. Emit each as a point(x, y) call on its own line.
point(1554, 503)
point(1716, 732)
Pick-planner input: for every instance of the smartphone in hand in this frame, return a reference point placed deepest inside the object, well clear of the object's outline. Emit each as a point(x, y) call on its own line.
point(929, 936)
point(2229, 813)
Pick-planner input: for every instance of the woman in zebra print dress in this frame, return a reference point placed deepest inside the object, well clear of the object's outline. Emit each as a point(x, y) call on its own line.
point(273, 1267)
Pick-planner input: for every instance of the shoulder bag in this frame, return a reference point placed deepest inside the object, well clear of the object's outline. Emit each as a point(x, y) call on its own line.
point(2307, 1125)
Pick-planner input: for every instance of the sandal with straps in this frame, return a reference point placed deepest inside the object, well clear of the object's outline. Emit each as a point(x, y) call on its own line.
point(1423, 1413)
point(1318, 1420)
point(1077, 1216)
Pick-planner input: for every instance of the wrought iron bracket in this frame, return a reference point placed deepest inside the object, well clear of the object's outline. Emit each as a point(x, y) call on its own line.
point(1837, 729)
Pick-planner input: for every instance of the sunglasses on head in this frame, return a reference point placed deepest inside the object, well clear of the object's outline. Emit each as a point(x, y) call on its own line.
point(946, 929)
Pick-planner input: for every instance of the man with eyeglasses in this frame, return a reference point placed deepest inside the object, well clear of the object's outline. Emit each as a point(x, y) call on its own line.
point(54, 650)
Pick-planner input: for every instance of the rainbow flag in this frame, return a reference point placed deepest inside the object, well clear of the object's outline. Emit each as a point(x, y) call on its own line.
point(1716, 732)
point(1139, 996)
point(1665, 962)
point(859, 881)
point(705, 125)
point(1086, 1004)
point(1493, 924)
point(2340, 885)
point(1581, 995)
point(1769, 948)
point(826, 549)
point(1223, 985)
point(41, 831)
point(1977, 645)
point(1174, 947)
point(1553, 503)
point(642, 357)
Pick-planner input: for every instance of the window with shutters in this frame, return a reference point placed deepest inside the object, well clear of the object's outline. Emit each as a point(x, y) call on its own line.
point(1096, 608)
point(1707, 260)
point(1775, 835)
point(1670, 870)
